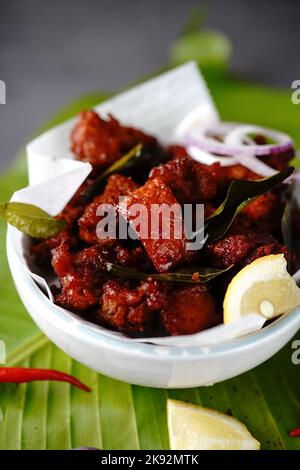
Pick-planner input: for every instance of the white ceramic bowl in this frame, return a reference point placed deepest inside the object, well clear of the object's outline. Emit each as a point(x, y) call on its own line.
point(146, 364)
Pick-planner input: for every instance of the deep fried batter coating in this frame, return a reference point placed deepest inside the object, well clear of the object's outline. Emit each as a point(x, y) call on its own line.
point(165, 253)
point(224, 175)
point(189, 181)
point(229, 250)
point(117, 185)
point(190, 309)
point(80, 275)
point(264, 206)
point(131, 309)
point(279, 160)
point(132, 258)
point(264, 213)
point(176, 151)
point(274, 248)
point(102, 142)
point(41, 250)
point(239, 248)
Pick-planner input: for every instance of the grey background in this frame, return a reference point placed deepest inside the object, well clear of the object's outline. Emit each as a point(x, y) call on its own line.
point(51, 51)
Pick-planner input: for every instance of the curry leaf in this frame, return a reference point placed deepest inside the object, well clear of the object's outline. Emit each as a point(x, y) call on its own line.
point(30, 219)
point(120, 166)
point(136, 163)
point(126, 161)
point(239, 195)
point(193, 276)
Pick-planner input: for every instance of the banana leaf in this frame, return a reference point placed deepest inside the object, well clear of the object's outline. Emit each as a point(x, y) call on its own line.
point(54, 416)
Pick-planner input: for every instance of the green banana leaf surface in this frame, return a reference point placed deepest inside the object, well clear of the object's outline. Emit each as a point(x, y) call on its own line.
point(118, 415)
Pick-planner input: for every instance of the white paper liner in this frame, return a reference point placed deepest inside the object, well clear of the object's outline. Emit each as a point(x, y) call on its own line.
point(217, 334)
point(162, 107)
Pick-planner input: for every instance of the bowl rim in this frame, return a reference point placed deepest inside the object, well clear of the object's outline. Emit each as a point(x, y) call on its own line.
point(89, 332)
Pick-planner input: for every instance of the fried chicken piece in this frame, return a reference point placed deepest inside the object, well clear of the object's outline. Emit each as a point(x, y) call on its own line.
point(279, 160)
point(239, 248)
point(117, 185)
point(131, 309)
point(166, 248)
point(102, 142)
point(189, 181)
point(264, 206)
point(264, 213)
point(190, 309)
point(41, 250)
point(224, 175)
point(274, 248)
point(229, 250)
point(80, 275)
point(176, 151)
point(132, 258)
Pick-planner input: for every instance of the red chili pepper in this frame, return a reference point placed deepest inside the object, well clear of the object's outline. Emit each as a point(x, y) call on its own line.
point(295, 432)
point(19, 375)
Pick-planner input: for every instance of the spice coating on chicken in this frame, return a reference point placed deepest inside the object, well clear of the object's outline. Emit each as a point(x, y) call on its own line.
point(189, 309)
point(117, 186)
point(101, 142)
point(131, 309)
point(80, 277)
point(164, 252)
point(188, 180)
point(241, 248)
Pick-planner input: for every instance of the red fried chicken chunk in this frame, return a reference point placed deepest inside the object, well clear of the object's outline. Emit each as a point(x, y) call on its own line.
point(131, 309)
point(241, 248)
point(224, 175)
point(167, 251)
point(264, 213)
point(189, 181)
point(80, 276)
point(117, 185)
point(101, 142)
point(190, 309)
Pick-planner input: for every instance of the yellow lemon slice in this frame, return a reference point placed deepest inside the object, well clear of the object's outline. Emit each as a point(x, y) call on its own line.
point(193, 427)
point(264, 287)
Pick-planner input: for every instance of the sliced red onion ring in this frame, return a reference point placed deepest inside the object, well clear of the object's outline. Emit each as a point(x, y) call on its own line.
point(205, 139)
point(238, 136)
point(254, 164)
point(235, 147)
point(247, 160)
point(203, 115)
point(208, 158)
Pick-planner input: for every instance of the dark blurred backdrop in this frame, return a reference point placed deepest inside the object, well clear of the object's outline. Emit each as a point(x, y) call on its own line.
point(52, 51)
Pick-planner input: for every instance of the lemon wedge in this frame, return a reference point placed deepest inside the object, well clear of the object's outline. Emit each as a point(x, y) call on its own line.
point(193, 427)
point(263, 287)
